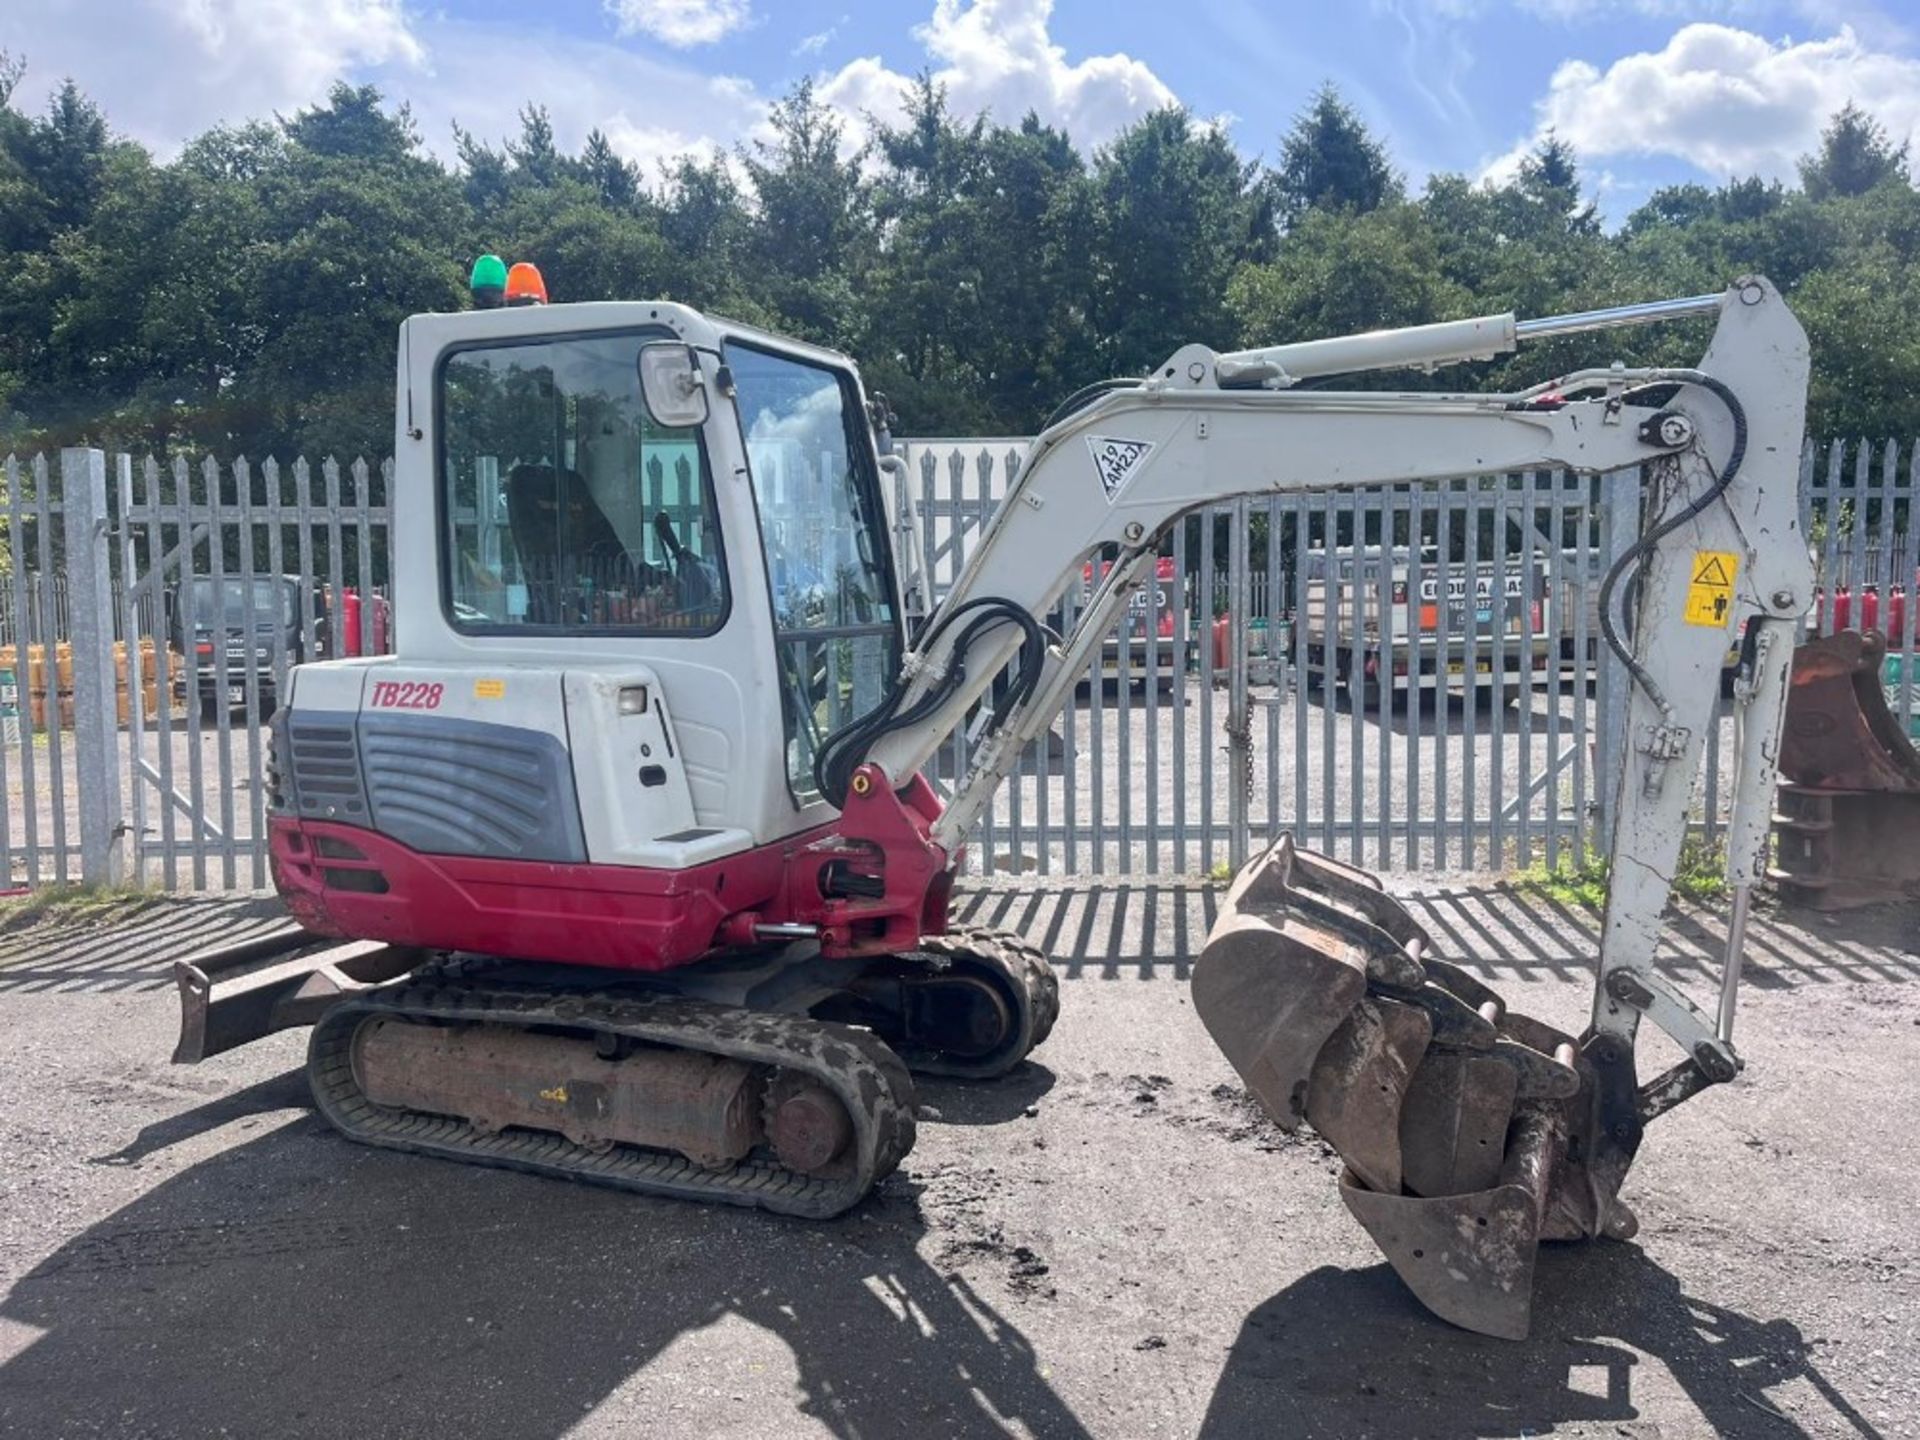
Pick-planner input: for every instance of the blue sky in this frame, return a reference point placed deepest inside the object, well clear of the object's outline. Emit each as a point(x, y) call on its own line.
point(1648, 91)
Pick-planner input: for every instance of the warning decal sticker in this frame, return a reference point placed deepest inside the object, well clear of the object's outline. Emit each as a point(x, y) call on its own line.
point(1116, 459)
point(1710, 592)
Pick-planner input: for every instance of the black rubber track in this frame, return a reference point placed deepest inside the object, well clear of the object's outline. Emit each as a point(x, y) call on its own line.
point(1022, 973)
point(853, 1064)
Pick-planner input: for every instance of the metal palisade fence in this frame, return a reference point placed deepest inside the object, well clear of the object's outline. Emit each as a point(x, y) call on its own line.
point(1407, 677)
point(153, 612)
point(1411, 678)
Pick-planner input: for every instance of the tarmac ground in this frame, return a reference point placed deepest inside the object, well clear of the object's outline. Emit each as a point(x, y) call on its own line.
point(1110, 1241)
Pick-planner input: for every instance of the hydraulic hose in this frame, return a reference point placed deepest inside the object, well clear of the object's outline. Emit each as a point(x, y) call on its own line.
point(1631, 558)
point(1083, 397)
point(846, 749)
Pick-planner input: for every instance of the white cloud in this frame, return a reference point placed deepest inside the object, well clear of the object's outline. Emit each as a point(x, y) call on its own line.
point(1725, 100)
point(651, 146)
point(1589, 11)
point(1867, 17)
point(1435, 57)
point(813, 44)
point(997, 55)
point(178, 67)
point(680, 23)
point(647, 107)
point(165, 71)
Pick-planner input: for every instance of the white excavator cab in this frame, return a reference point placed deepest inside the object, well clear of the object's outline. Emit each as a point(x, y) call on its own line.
point(632, 496)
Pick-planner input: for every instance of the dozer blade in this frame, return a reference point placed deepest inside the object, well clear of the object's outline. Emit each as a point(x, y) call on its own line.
point(239, 993)
point(1450, 1112)
point(1839, 733)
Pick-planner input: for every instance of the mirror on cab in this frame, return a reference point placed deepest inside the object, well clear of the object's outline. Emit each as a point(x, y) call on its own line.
point(672, 385)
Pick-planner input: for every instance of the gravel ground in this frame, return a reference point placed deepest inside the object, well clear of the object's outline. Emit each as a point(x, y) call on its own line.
point(1130, 772)
point(1108, 1242)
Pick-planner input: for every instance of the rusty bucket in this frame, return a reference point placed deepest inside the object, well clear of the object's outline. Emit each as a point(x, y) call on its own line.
point(1451, 1113)
point(1847, 822)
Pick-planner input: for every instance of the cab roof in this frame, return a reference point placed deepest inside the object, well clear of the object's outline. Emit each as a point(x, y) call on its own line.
point(525, 322)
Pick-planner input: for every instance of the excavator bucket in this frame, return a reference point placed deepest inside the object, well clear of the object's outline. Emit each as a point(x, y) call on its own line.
point(1839, 732)
point(1451, 1113)
point(1848, 821)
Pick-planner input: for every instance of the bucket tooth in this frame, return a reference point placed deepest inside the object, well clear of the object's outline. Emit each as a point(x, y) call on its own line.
point(1359, 1083)
point(1469, 1258)
point(1453, 1126)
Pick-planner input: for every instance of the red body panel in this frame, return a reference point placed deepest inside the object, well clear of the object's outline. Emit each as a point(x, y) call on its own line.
point(342, 880)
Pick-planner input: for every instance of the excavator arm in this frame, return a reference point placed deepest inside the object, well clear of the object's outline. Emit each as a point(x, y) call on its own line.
point(1469, 1132)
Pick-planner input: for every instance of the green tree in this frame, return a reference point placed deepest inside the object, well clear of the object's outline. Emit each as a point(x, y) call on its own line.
point(1855, 155)
point(1174, 214)
point(1329, 160)
point(928, 332)
point(611, 178)
point(812, 232)
point(1341, 272)
point(360, 230)
point(709, 237)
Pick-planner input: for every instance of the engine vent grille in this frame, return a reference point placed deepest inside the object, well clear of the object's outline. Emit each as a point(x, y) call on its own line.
point(461, 787)
point(324, 768)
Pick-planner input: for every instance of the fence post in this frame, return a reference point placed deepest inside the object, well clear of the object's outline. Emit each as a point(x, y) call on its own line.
point(1619, 528)
point(1239, 731)
point(83, 516)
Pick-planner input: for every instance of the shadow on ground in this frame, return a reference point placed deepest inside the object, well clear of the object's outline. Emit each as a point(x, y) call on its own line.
point(295, 1284)
point(1504, 932)
point(1349, 1352)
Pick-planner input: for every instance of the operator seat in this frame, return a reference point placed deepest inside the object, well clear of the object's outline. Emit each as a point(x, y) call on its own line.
point(545, 513)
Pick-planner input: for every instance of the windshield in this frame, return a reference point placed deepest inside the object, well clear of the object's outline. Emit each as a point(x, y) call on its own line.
point(836, 633)
point(233, 602)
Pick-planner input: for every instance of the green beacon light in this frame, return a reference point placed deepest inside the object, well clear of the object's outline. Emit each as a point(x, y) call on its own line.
point(489, 282)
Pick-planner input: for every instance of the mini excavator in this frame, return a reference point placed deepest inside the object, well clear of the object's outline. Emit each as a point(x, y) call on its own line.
point(623, 867)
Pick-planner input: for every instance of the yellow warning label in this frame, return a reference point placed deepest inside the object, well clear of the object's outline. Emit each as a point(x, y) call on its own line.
point(1710, 592)
point(489, 689)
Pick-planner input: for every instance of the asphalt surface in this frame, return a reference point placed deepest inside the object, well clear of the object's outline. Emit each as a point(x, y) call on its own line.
point(1108, 1242)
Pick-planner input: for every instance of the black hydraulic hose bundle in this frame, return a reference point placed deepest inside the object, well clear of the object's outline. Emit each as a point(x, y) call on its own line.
point(845, 750)
point(1631, 558)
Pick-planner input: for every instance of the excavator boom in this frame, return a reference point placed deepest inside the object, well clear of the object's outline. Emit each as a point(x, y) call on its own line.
point(1469, 1132)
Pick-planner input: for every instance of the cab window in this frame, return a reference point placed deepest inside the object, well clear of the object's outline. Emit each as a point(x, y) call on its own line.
point(836, 626)
point(564, 508)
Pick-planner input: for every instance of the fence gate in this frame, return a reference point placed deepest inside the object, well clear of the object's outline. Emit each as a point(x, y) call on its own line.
point(234, 574)
point(1408, 677)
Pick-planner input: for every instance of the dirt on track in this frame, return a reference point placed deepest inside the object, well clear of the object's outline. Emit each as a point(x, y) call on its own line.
point(1111, 1241)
